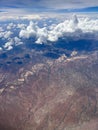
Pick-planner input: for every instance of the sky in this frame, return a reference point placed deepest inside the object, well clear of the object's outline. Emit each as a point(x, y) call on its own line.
point(59, 6)
point(46, 21)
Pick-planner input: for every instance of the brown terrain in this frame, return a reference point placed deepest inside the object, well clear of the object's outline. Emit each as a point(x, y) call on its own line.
point(60, 94)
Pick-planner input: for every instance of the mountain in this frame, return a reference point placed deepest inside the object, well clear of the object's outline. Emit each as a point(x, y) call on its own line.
point(46, 93)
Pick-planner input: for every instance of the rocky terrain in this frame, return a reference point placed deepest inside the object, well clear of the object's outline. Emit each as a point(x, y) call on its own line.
point(40, 93)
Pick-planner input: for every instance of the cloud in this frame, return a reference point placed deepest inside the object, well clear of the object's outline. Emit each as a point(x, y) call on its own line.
point(30, 31)
point(42, 35)
point(31, 16)
point(8, 45)
point(11, 26)
point(5, 34)
point(33, 31)
point(63, 29)
point(75, 27)
point(47, 5)
point(69, 4)
point(15, 41)
point(21, 26)
point(17, 14)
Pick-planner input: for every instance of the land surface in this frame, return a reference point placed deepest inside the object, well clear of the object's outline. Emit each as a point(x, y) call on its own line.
point(40, 93)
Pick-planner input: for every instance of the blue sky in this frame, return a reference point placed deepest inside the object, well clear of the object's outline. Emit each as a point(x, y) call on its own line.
point(49, 5)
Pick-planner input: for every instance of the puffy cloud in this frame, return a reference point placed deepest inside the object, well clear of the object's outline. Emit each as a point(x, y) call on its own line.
point(17, 41)
point(12, 42)
point(10, 26)
point(8, 45)
point(75, 27)
point(63, 29)
point(42, 35)
point(5, 34)
point(30, 31)
point(21, 26)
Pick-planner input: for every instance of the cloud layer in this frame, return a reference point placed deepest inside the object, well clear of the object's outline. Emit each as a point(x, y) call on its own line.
point(81, 27)
point(48, 4)
point(75, 27)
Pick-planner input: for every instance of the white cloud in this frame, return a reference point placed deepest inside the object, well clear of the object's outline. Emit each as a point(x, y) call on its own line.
point(17, 41)
point(8, 15)
point(11, 26)
point(17, 14)
point(5, 34)
point(42, 35)
point(75, 27)
point(21, 26)
point(30, 31)
point(31, 17)
point(12, 42)
point(8, 45)
point(63, 29)
point(67, 4)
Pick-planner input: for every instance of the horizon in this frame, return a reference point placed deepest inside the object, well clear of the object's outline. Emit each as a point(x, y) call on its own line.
point(24, 7)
